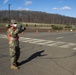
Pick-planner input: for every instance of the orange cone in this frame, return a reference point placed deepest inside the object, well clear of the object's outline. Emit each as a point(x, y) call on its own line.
point(22, 33)
point(36, 32)
point(48, 31)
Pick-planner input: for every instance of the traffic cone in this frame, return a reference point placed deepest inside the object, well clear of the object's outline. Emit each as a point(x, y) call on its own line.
point(36, 32)
point(22, 33)
point(48, 31)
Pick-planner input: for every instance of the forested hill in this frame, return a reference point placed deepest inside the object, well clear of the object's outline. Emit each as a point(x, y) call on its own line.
point(36, 17)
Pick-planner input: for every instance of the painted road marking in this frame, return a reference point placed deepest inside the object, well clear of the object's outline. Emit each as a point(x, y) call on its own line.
point(59, 38)
point(74, 48)
point(68, 45)
point(56, 44)
point(45, 42)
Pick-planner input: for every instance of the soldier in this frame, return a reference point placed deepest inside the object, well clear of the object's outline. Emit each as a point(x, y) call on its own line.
point(14, 49)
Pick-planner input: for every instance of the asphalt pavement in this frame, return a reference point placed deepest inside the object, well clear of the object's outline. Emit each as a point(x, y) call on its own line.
point(42, 53)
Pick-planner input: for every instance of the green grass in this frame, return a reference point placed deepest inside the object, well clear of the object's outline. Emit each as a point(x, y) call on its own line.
point(42, 25)
point(33, 24)
point(3, 24)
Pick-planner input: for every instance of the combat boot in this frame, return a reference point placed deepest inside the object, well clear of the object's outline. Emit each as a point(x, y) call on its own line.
point(14, 67)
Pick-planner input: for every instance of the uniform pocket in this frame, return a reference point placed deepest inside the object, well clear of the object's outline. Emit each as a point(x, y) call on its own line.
point(12, 51)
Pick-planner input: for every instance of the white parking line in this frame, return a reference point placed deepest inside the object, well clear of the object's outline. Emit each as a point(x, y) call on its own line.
point(46, 42)
point(59, 38)
point(68, 45)
point(56, 44)
point(74, 48)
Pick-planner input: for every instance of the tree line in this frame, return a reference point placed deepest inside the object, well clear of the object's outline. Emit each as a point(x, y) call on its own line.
point(36, 17)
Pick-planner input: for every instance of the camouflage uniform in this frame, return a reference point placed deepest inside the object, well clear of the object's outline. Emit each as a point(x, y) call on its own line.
point(14, 49)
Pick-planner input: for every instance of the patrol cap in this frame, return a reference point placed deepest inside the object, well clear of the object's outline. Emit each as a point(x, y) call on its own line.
point(13, 21)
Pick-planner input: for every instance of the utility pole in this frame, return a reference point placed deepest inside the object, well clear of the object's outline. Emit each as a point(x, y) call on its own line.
point(9, 12)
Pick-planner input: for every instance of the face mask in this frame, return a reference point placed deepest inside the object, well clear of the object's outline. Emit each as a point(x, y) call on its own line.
point(15, 25)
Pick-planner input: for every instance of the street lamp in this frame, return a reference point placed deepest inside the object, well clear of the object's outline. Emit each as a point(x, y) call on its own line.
point(9, 12)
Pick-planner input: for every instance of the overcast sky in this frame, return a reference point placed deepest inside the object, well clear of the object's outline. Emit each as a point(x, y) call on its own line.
point(62, 7)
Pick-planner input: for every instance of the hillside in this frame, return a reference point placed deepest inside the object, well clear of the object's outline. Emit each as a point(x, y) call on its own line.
point(36, 17)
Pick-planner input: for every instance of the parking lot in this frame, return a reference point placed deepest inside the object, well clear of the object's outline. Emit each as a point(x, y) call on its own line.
point(41, 54)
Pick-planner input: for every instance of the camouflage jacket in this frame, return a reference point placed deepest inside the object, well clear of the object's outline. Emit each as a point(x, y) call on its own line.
point(12, 35)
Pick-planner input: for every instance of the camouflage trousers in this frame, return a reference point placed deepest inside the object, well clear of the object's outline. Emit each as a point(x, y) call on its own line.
point(14, 54)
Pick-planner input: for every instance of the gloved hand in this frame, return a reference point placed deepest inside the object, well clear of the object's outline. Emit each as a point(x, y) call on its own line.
point(23, 28)
point(19, 27)
point(7, 26)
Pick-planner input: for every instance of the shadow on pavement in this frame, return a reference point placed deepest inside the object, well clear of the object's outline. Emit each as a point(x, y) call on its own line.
point(37, 54)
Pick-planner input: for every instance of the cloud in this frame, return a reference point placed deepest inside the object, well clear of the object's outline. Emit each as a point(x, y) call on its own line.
point(27, 9)
point(66, 8)
point(63, 8)
point(5, 1)
point(20, 8)
point(55, 8)
point(28, 2)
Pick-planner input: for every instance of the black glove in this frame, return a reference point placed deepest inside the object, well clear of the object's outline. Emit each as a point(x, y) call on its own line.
point(19, 27)
point(23, 28)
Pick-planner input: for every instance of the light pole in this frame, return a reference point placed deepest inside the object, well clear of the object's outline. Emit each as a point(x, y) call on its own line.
point(9, 12)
